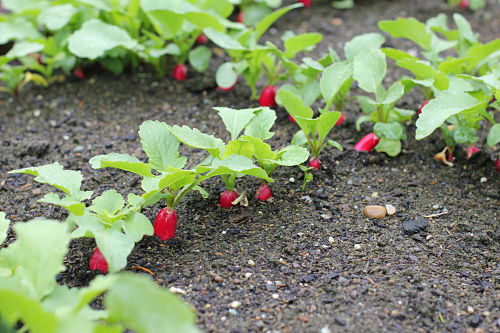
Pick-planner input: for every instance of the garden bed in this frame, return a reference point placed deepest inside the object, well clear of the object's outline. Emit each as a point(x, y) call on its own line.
point(307, 260)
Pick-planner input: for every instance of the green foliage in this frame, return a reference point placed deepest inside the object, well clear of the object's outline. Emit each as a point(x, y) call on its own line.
point(30, 296)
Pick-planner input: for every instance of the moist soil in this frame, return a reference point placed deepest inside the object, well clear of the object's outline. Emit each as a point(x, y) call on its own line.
point(306, 261)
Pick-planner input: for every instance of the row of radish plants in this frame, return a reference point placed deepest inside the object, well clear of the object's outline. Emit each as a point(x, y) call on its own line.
point(459, 98)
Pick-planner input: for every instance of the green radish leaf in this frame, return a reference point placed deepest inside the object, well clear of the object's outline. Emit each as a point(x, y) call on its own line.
point(68, 181)
point(68, 203)
point(205, 20)
point(36, 262)
point(409, 28)
point(267, 21)
point(4, 227)
point(393, 131)
point(396, 54)
point(115, 247)
point(24, 48)
point(161, 146)
point(153, 309)
point(136, 226)
point(333, 78)
point(465, 29)
point(480, 52)
point(259, 126)
point(326, 121)
point(290, 156)
point(226, 76)
point(108, 203)
point(300, 43)
point(176, 179)
point(369, 70)
point(199, 58)
point(297, 109)
point(237, 164)
point(222, 40)
point(240, 147)
point(171, 49)
point(235, 120)
point(18, 6)
point(423, 70)
point(388, 146)
point(363, 43)
point(335, 144)
point(299, 139)
point(441, 108)
point(493, 139)
point(395, 92)
point(166, 23)
point(196, 139)
point(361, 120)
point(17, 28)
point(56, 17)
point(95, 37)
point(123, 162)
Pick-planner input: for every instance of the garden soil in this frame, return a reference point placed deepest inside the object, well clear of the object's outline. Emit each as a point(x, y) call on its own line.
point(306, 261)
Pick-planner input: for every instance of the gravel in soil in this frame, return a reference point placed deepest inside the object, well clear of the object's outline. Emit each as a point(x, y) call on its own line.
point(306, 261)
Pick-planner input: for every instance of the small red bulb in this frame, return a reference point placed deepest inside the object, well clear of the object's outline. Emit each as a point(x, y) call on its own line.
point(165, 223)
point(264, 193)
point(315, 163)
point(227, 197)
point(98, 262)
point(180, 72)
point(268, 96)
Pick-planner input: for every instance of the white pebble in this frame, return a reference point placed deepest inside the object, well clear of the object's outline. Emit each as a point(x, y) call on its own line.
point(235, 304)
point(391, 210)
point(331, 240)
point(275, 296)
point(291, 180)
point(177, 291)
point(483, 180)
point(325, 329)
point(251, 263)
point(357, 247)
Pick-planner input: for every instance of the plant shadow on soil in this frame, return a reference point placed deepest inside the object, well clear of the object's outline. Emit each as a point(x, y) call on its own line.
point(306, 273)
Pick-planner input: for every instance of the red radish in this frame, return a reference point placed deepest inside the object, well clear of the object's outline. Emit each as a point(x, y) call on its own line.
point(292, 119)
point(239, 17)
point(497, 165)
point(268, 95)
point(464, 4)
point(471, 150)
point(227, 197)
point(180, 72)
point(39, 59)
point(422, 106)
point(79, 73)
point(341, 119)
point(228, 88)
point(98, 262)
point(264, 193)
point(202, 39)
point(450, 156)
point(314, 163)
point(307, 3)
point(165, 223)
point(367, 143)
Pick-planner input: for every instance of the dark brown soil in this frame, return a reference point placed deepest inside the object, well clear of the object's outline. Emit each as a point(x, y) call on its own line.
point(317, 262)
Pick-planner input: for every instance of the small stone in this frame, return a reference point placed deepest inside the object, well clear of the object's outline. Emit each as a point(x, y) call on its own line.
point(176, 290)
point(291, 180)
point(374, 211)
point(235, 304)
point(233, 312)
point(306, 199)
point(251, 263)
point(349, 182)
point(470, 309)
point(436, 206)
point(331, 240)
point(357, 247)
point(475, 320)
point(483, 180)
point(37, 113)
point(414, 226)
point(248, 275)
point(391, 210)
point(339, 321)
point(325, 329)
point(78, 149)
point(218, 278)
point(375, 195)
point(275, 296)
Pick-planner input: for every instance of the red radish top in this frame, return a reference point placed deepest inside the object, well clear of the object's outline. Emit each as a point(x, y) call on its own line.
point(264, 193)
point(180, 72)
point(227, 197)
point(341, 119)
point(228, 88)
point(307, 3)
point(79, 73)
point(367, 143)
point(464, 4)
point(424, 103)
point(315, 163)
point(165, 224)
point(202, 39)
point(292, 119)
point(471, 150)
point(497, 165)
point(98, 262)
point(239, 17)
point(268, 96)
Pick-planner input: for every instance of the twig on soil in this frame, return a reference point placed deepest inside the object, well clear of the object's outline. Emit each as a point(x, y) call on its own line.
point(444, 212)
point(143, 269)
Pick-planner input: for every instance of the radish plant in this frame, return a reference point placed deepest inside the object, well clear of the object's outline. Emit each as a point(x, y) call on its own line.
point(115, 224)
point(31, 300)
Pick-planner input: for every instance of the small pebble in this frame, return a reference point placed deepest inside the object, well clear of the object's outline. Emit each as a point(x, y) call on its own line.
point(275, 296)
point(483, 180)
point(291, 180)
point(325, 329)
point(357, 247)
point(248, 275)
point(177, 291)
point(331, 240)
point(375, 195)
point(233, 312)
point(470, 309)
point(235, 304)
point(374, 211)
point(251, 263)
point(391, 210)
